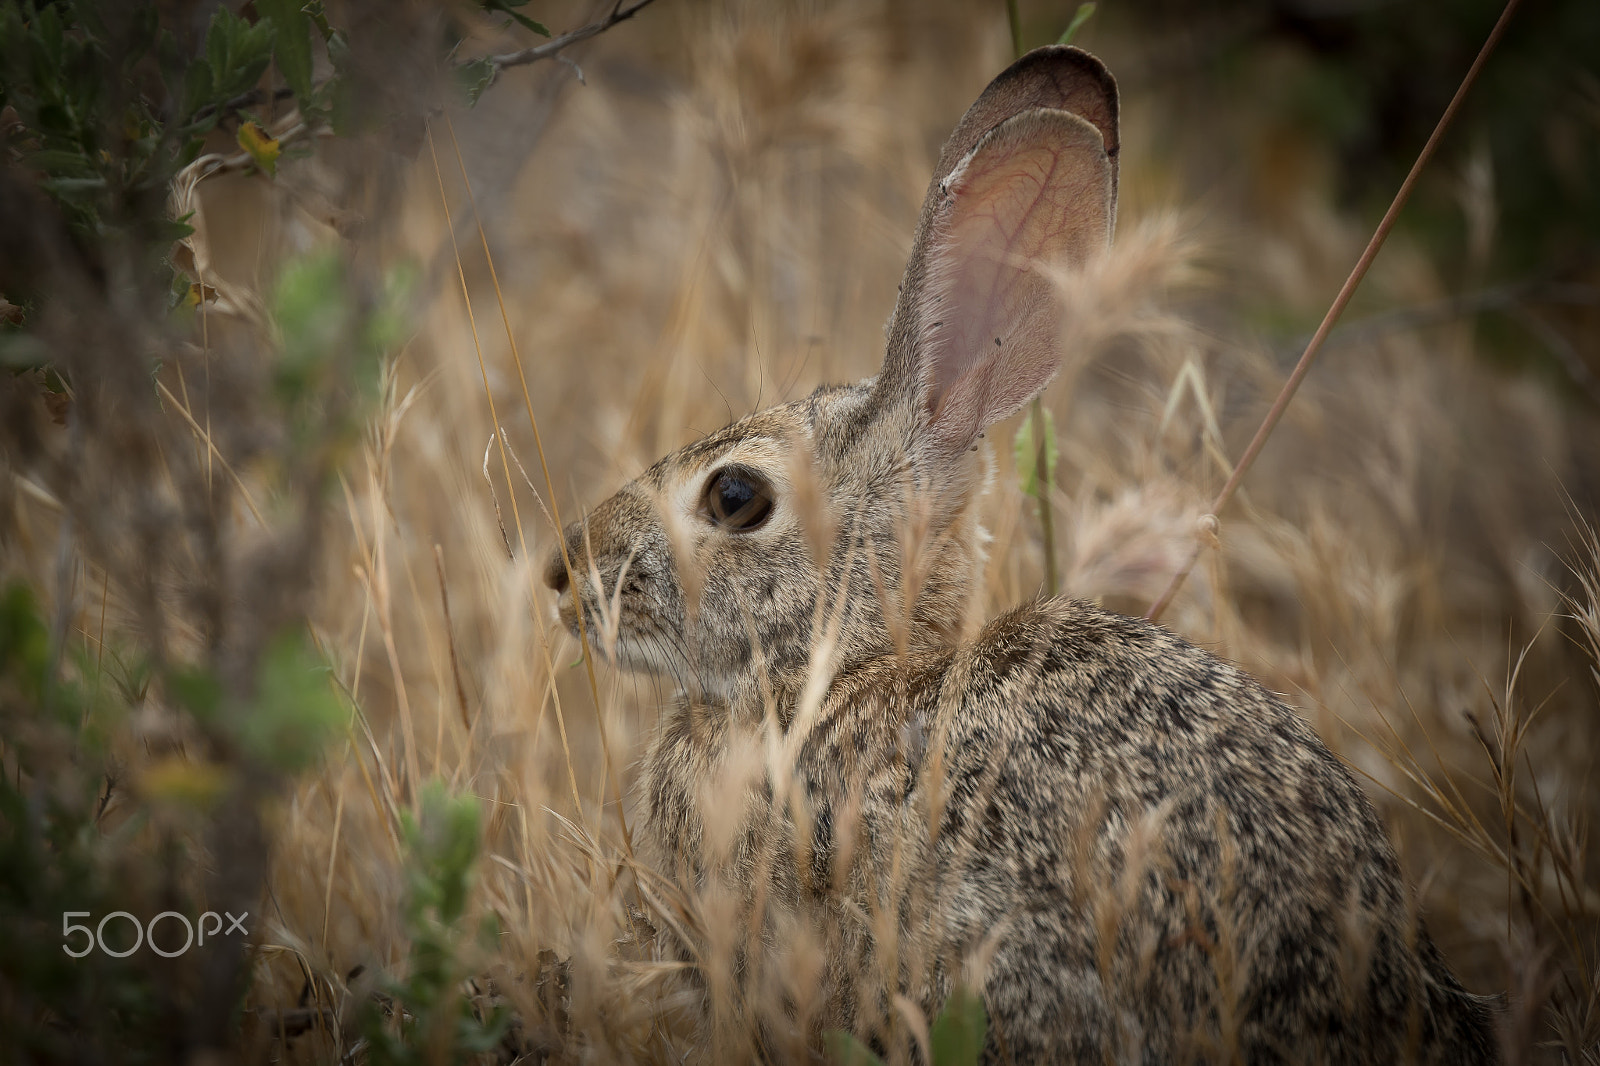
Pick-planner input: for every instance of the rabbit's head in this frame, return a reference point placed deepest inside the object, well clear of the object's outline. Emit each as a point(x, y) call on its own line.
point(840, 526)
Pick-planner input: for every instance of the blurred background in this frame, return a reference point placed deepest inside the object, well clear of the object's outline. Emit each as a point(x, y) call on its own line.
point(702, 211)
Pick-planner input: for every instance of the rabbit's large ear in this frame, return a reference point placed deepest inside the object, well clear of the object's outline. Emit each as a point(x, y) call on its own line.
point(1028, 177)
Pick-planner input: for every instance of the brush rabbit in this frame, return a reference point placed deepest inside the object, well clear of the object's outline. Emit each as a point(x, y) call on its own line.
point(1132, 850)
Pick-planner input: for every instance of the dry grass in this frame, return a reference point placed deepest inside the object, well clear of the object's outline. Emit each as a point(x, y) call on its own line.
point(717, 222)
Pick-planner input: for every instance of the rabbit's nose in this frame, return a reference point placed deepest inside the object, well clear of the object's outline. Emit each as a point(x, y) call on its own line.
point(555, 572)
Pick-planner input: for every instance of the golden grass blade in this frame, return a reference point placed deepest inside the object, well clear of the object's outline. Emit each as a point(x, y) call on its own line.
point(366, 613)
point(333, 857)
point(378, 587)
point(505, 463)
point(555, 510)
point(450, 636)
point(211, 448)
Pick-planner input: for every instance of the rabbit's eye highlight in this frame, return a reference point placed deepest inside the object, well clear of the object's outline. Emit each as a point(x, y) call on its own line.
point(737, 499)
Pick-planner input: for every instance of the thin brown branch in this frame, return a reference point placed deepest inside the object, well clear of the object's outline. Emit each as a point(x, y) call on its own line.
point(1303, 367)
point(450, 636)
point(296, 1021)
point(553, 47)
point(1041, 492)
point(1508, 298)
point(1514, 299)
point(243, 100)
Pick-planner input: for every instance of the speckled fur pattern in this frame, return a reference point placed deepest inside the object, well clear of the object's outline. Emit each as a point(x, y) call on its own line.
point(1136, 852)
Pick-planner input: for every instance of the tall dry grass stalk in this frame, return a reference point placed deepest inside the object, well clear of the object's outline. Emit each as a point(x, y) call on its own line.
point(715, 222)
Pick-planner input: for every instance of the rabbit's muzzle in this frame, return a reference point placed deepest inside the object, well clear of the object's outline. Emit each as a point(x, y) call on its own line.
point(586, 545)
point(555, 573)
point(557, 579)
point(561, 580)
point(615, 569)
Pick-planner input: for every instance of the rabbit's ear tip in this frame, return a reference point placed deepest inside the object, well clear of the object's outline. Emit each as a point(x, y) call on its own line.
point(1066, 56)
point(1043, 134)
point(1059, 76)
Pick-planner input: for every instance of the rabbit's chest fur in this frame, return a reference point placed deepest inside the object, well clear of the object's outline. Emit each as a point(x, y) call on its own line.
point(1141, 848)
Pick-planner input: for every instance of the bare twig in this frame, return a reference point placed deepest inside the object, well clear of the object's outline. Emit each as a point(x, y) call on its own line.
point(450, 635)
point(552, 48)
point(296, 1021)
point(249, 99)
point(219, 163)
point(1512, 299)
point(1562, 349)
point(1303, 367)
point(1506, 297)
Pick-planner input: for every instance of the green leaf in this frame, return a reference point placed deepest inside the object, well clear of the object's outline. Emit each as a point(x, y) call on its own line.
point(292, 48)
point(171, 230)
point(197, 81)
point(338, 50)
point(193, 145)
point(66, 188)
point(956, 1037)
point(144, 30)
point(217, 42)
point(1026, 452)
point(474, 76)
point(262, 148)
point(505, 7)
point(1079, 17)
point(24, 640)
point(846, 1050)
point(48, 25)
point(196, 690)
point(311, 311)
point(443, 845)
point(294, 713)
point(88, 17)
point(237, 53)
point(475, 1037)
point(243, 77)
point(319, 17)
point(391, 320)
point(61, 163)
point(20, 350)
point(528, 23)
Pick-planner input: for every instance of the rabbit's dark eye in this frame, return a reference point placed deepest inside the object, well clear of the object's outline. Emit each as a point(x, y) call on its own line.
point(738, 499)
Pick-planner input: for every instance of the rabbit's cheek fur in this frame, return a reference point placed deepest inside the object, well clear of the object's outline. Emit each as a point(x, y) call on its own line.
point(756, 596)
point(666, 590)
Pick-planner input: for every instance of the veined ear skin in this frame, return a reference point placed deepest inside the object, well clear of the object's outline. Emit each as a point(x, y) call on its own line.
point(1029, 177)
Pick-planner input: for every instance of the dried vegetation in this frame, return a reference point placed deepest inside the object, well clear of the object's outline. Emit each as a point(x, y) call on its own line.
point(717, 221)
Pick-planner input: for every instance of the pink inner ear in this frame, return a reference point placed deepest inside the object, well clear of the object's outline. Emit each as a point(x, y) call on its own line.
point(1036, 189)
